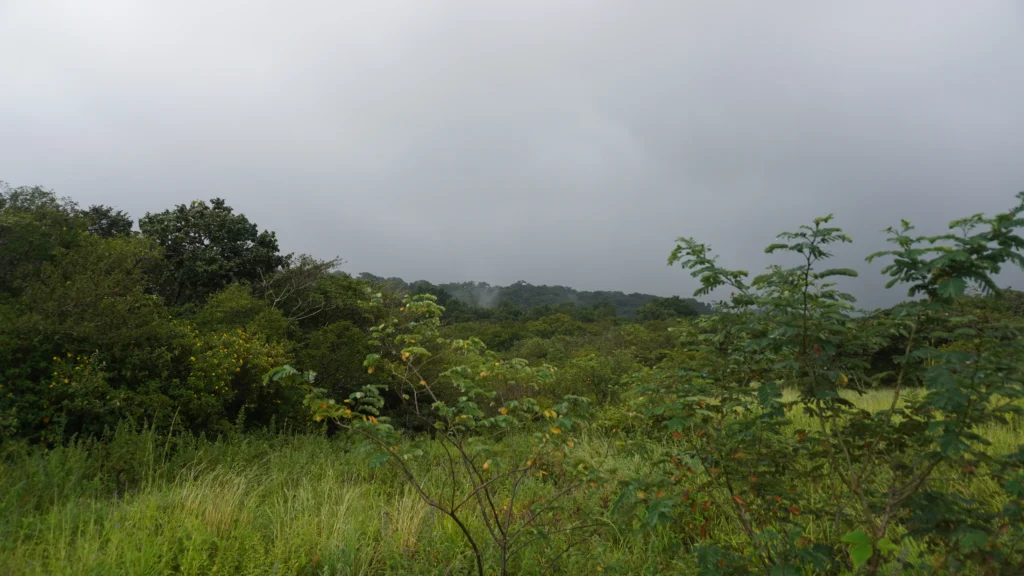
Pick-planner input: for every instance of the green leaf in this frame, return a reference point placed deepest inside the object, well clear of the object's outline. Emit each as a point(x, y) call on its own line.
point(952, 287)
point(861, 550)
point(659, 512)
point(973, 540)
point(379, 459)
point(885, 546)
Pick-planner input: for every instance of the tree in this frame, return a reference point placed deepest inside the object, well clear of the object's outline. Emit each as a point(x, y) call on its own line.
point(293, 290)
point(555, 325)
point(507, 310)
point(35, 225)
point(336, 353)
point(206, 247)
point(603, 310)
point(455, 310)
point(107, 222)
point(665, 309)
point(83, 338)
point(235, 307)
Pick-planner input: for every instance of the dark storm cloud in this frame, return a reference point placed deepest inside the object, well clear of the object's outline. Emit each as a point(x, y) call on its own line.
point(562, 142)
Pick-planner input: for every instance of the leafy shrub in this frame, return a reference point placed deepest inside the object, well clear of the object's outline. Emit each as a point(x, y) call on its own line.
point(225, 380)
point(596, 376)
point(486, 474)
point(336, 353)
point(236, 307)
point(737, 457)
point(555, 325)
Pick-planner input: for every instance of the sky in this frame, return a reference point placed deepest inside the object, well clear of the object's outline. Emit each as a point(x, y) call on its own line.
point(557, 142)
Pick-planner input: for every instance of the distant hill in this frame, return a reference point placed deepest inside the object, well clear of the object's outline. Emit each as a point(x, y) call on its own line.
point(526, 296)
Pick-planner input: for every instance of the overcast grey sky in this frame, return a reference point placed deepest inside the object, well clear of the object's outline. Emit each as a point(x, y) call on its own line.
point(553, 141)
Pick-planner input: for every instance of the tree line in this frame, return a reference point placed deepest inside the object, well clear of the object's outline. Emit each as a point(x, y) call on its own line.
point(180, 319)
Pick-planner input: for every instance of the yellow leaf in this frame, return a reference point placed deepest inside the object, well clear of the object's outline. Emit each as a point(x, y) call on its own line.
point(556, 430)
point(503, 410)
point(570, 443)
point(486, 465)
point(483, 374)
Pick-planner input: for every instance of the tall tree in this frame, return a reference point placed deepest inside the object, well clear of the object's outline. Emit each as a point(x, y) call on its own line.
point(206, 247)
point(107, 222)
point(35, 225)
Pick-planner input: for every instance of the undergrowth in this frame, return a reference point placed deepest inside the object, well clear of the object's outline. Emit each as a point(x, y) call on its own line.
point(144, 503)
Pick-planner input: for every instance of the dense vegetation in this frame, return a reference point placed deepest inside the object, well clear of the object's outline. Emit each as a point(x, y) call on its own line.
point(184, 398)
point(541, 300)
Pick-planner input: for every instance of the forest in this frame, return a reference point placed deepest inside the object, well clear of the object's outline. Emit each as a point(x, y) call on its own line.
point(179, 396)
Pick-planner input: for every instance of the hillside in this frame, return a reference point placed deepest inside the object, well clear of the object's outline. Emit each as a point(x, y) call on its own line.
point(526, 296)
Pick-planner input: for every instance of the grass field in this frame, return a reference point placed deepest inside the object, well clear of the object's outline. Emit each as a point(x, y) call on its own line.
point(142, 503)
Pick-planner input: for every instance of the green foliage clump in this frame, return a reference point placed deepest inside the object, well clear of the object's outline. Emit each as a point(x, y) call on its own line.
point(206, 248)
point(665, 309)
point(554, 325)
point(884, 473)
point(335, 354)
point(35, 225)
point(237, 307)
point(85, 342)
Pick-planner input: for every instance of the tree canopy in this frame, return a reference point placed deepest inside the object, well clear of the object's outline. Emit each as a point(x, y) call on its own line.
point(207, 247)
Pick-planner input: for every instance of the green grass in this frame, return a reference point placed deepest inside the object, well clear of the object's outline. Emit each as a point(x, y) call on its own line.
point(140, 503)
point(282, 504)
point(1004, 438)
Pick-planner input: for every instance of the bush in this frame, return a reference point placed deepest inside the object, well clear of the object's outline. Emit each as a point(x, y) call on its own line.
point(236, 307)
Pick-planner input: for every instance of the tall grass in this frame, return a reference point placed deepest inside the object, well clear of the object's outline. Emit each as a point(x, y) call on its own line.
point(141, 503)
point(282, 504)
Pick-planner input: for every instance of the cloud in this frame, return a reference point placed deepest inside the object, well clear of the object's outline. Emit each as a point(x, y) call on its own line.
point(560, 142)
